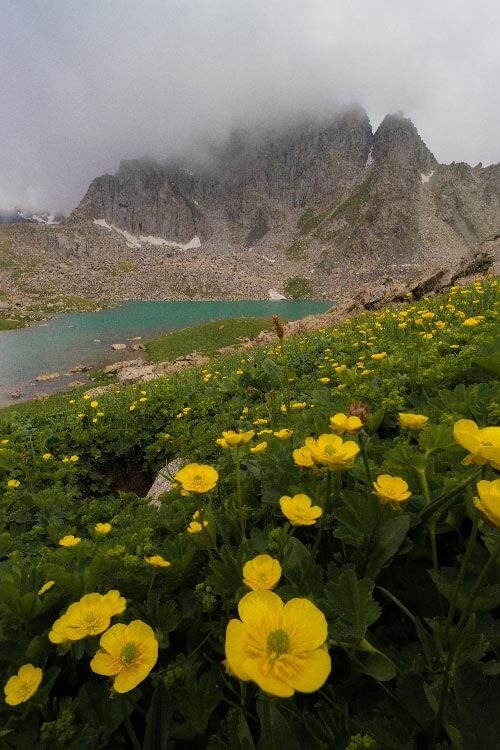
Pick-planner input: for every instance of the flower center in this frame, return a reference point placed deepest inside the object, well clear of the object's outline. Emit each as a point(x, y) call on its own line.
point(278, 643)
point(93, 623)
point(197, 479)
point(329, 450)
point(128, 654)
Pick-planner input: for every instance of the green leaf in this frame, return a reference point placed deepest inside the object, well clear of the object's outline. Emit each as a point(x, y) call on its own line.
point(350, 607)
point(388, 540)
point(375, 664)
point(473, 710)
point(157, 721)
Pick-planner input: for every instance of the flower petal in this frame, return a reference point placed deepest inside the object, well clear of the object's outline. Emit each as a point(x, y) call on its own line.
point(236, 638)
point(260, 607)
point(305, 623)
point(316, 667)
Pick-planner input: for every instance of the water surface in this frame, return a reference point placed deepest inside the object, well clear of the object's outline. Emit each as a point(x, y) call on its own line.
point(86, 338)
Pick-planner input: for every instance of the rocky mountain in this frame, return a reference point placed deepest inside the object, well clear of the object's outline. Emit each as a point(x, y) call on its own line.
point(339, 186)
point(19, 216)
point(331, 203)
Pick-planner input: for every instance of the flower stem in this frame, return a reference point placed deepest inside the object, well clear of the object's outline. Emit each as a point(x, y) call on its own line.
point(267, 734)
point(322, 524)
point(131, 734)
point(422, 476)
point(363, 440)
point(453, 648)
point(461, 574)
point(238, 492)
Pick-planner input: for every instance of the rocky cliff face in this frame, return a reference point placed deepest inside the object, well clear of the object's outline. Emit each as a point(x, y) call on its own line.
point(335, 192)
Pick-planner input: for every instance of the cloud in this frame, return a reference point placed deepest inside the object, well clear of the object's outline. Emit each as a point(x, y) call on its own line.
point(85, 84)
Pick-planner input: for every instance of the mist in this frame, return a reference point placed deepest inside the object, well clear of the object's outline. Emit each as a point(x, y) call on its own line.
point(86, 84)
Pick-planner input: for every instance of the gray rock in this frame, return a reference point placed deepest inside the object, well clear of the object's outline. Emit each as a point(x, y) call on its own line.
point(15, 393)
point(118, 347)
point(47, 376)
point(163, 482)
point(116, 366)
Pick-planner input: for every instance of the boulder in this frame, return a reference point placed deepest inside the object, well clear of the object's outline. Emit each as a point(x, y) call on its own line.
point(100, 390)
point(48, 376)
point(78, 368)
point(118, 347)
point(163, 482)
point(15, 393)
point(116, 366)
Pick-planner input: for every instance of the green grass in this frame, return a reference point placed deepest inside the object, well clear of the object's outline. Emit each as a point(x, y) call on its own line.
point(205, 339)
point(6, 324)
point(298, 250)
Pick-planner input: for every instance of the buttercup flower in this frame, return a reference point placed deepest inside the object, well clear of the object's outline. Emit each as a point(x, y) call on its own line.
point(103, 528)
point(392, 490)
point(47, 456)
point(412, 421)
point(13, 484)
point(157, 561)
point(46, 587)
point(302, 457)
point(234, 438)
point(197, 524)
point(197, 478)
point(20, 687)
point(483, 444)
point(471, 322)
point(128, 653)
point(69, 541)
point(380, 355)
point(91, 615)
point(283, 434)
point(259, 447)
point(324, 380)
point(331, 451)
point(263, 572)
point(281, 647)
point(341, 423)
point(299, 510)
point(299, 405)
point(488, 502)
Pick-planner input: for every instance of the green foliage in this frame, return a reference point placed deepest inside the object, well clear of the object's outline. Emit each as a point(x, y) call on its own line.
point(298, 249)
point(386, 579)
point(299, 287)
point(205, 339)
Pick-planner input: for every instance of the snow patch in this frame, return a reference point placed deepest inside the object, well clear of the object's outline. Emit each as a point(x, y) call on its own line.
point(426, 177)
point(369, 160)
point(269, 260)
point(275, 295)
point(137, 242)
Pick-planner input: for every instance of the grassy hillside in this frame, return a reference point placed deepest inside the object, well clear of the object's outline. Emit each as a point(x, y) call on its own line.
point(382, 622)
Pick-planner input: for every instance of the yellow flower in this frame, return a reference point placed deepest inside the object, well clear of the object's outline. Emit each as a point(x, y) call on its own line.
point(69, 541)
point(340, 369)
point(392, 490)
point(234, 438)
point(222, 443)
point(341, 423)
point(263, 572)
point(74, 458)
point(471, 322)
point(488, 502)
point(483, 444)
point(4, 441)
point(94, 404)
point(46, 587)
point(260, 421)
point(13, 483)
point(157, 561)
point(265, 432)
point(197, 478)
point(412, 421)
point(85, 396)
point(283, 434)
point(380, 355)
point(47, 456)
point(197, 524)
point(133, 407)
point(103, 528)
point(20, 687)
point(302, 457)
point(91, 615)
point(281, 647)
point(299, 510)
point(331, 451)
point(259, 448)
point(299, 405)
point(324, 380)
point(128, 653)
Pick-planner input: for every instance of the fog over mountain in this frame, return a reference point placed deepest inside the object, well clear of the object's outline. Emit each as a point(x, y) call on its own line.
point(85, 85)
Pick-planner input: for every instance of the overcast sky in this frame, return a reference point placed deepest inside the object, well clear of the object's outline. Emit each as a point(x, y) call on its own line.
point(85, 83)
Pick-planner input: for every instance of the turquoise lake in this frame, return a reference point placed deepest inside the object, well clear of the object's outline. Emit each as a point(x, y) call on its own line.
point(85, 338)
